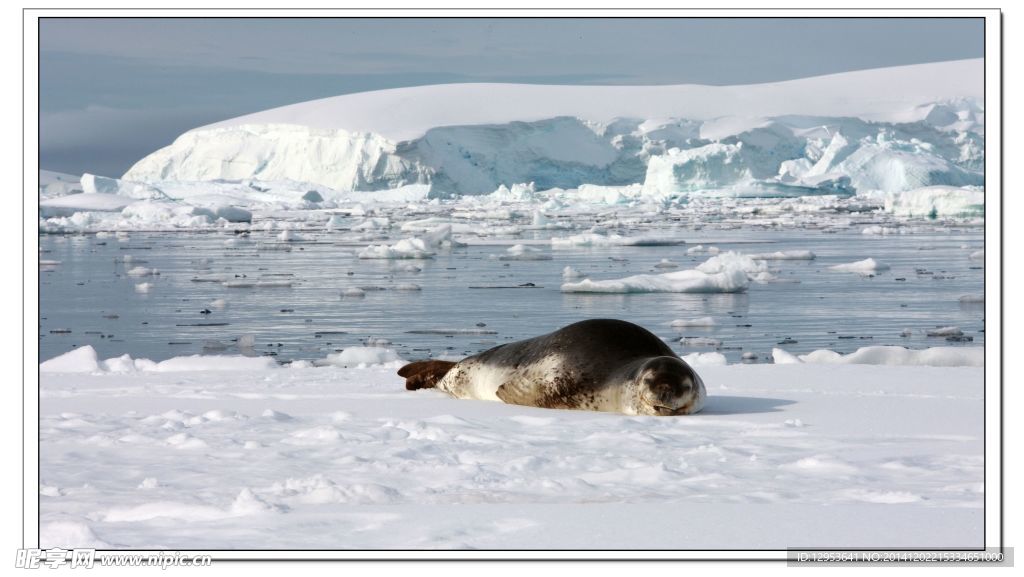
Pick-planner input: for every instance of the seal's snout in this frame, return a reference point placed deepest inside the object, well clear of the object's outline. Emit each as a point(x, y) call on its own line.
point(669, 387)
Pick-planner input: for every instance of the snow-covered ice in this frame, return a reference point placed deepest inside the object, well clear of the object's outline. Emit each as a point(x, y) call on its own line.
point(891, 355)
point(262, 457)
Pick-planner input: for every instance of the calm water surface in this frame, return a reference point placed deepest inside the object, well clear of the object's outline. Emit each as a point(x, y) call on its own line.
point(89, 299)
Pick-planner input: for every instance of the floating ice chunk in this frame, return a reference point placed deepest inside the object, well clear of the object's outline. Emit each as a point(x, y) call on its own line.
point(700, 342)
point(977, 255)
point(705, 359)
point(142, 271)
point(143, 287)
point(372, 224)
point(569, 273)
point(219, 303)
point(353, 292)
point(879, 230)
point(730, 280)
point(785, 255)
point(411, 287)
point(257, 284)
point(288, 236)
point(523, 252)
point(598, 239)
point(335, 222)
point(868, 266)
point(666, 263)
point(732, 260)
point(698, 322)
point(164, 214)
point(413, 248)
point(701, 249)
point(944, 332)
point(80, 360)
point(363, 357)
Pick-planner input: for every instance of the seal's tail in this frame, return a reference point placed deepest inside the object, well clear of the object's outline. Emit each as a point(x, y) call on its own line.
point(424, 374)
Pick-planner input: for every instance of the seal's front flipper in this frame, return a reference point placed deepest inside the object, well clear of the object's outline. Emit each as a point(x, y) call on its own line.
point(424, 374)
point(517, 393)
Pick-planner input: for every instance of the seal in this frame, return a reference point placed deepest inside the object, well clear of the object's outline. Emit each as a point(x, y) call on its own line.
point(596, 365)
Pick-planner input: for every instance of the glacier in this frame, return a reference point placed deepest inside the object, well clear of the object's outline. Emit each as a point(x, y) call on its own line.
point(885, 130)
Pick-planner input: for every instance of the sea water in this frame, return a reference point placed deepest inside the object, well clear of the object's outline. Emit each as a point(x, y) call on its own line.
point(90, 299)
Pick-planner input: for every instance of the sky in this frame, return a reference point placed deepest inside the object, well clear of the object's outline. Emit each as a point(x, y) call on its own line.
point(114, 90)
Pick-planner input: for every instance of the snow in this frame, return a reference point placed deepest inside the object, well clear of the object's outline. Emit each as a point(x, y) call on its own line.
point(84, 360)
point(407, 113)
point(314, 457)
point(80, 360)
point(892, 356)
point(826, 135)
point(53, 184)
point(363, 357)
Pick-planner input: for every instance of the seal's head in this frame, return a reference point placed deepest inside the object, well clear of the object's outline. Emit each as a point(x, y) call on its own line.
point(668, 386)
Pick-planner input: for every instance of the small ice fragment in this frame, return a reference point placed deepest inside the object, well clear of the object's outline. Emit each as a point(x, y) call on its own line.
point(569, 273)
point(944, 332)
point(698, 322)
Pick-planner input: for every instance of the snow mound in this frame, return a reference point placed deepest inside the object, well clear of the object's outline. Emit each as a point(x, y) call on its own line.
point(70, 535)
point(363, 357)
point(891, 355)
point(84, 360)
point(80, 360)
